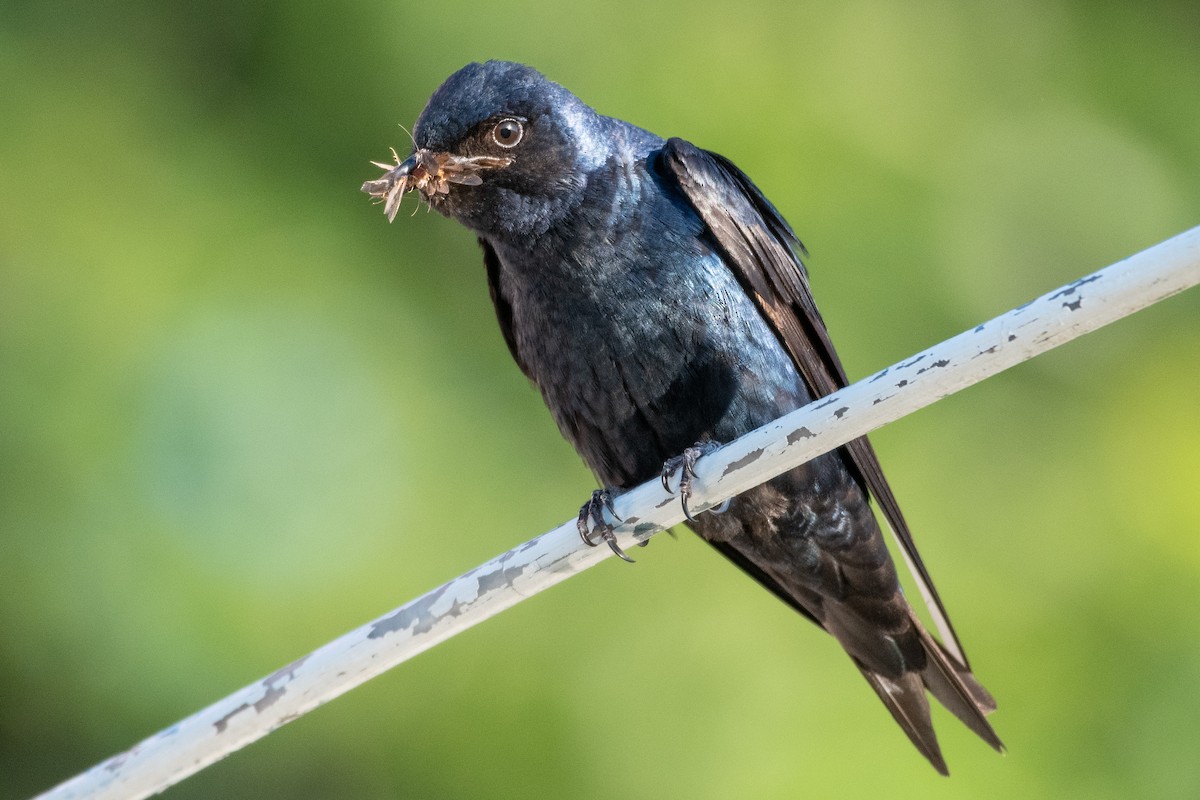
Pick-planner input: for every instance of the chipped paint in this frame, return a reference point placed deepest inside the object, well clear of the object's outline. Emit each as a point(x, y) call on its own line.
point(275, 686)
point(417, 615)
point(646, 529)
point(1074, 286)
point(532, 543)
point(113, 764)
point(939, 363)
point(744, 461)
point(223, 723)
point(272, 694)
point(288, 672)
point(494, 580)
point(798, 434)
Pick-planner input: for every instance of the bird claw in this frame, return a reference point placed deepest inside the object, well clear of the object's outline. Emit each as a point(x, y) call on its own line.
point(593, 512)
point(685, 465)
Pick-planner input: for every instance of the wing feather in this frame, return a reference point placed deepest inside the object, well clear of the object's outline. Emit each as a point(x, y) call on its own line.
point(765, 254)
point(504, 313)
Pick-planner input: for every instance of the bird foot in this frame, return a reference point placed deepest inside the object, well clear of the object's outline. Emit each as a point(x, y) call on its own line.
point(685, 465)
point(592, 521)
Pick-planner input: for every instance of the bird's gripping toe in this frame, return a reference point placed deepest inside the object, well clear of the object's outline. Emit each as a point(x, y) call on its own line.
point(685, 465)
point(592, 521)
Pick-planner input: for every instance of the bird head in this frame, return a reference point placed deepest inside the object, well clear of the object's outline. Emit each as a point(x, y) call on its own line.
point(500, 148)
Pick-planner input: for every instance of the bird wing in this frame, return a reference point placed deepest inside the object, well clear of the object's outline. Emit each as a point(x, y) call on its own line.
point(754, 571)
point(764, 253)
point(504, 313)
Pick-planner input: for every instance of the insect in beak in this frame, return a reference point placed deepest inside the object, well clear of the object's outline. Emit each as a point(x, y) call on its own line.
point(429, 173)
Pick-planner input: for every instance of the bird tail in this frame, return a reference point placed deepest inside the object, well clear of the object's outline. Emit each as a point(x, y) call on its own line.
point(954, 687)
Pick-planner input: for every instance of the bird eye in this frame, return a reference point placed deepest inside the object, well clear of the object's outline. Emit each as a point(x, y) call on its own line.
point(508, 132)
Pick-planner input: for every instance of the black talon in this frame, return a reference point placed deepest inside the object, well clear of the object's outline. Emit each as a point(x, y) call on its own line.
point(593, 512)
point(606, 497)
point(685, 491)
point(582, 525)
point(611, 538)
point(670, 467)
point(686, 465)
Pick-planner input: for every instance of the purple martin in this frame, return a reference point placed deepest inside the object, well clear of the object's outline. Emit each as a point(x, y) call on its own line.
point(659, 303)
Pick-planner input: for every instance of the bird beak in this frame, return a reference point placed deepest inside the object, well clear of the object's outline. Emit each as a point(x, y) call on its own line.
point(429, 173)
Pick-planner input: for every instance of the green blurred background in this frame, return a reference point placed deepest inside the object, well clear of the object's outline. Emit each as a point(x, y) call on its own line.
point(240, 414)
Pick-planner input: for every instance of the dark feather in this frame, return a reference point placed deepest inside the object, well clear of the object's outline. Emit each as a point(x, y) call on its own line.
point(503, 310)
point(764, 253)
point(905, 699)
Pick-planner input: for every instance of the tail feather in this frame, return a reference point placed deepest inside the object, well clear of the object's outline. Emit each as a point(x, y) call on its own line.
point(950, 683)
point(958, 690)
point(905, 698)
point(947, 680)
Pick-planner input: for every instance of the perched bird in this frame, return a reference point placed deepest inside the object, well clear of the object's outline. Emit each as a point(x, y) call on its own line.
point(659, 303)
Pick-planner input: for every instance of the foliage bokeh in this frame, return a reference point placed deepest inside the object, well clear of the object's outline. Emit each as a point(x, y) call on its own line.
point(240, 414)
